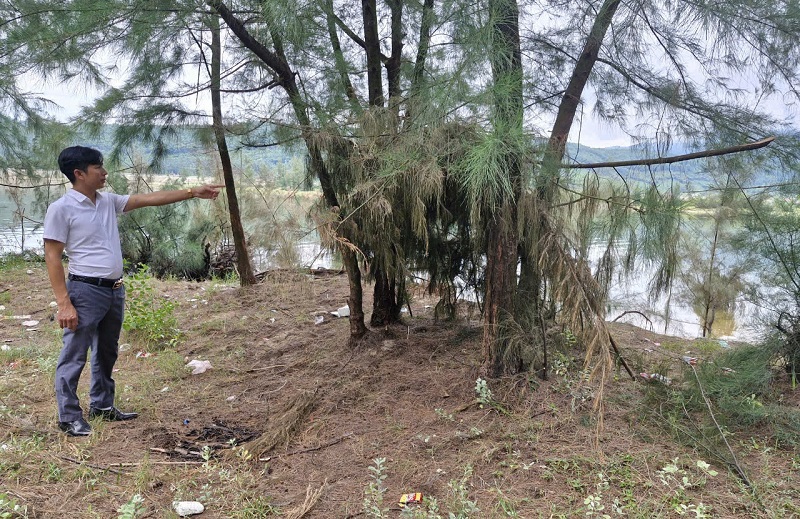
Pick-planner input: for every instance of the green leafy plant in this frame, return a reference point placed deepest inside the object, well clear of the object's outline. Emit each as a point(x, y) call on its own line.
point(444, 415)
point(458, 502)
point(485, 397)
point(207, 454)
point(461, 507)
point(428, 510)
point(133, 509)
point(679, 480)
point(11, 509)
point(375, 491)
point(148, 317)
point(483, 392)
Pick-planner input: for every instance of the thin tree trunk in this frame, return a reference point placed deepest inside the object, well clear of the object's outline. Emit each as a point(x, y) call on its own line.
point(572, 95)
point(286, 78)
point(530, 276)
point(372, 47)
point(393, 63)
point(424, 45)
point(246, 275)
point(709, 310)
point(418, 78)
point(338, 58)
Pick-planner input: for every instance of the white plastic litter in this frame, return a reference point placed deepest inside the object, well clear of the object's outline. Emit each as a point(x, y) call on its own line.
point(5, 347)
point(319, 319)
point(184, 508)
point(342, 312)
point(230, 398)
point(198, 366)
point(2, 307)
point(657, 377)
point(53, 304)
point(30, 323)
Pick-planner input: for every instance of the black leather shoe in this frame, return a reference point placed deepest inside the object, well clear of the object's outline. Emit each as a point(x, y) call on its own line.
point(79, 427)
point(111, 415)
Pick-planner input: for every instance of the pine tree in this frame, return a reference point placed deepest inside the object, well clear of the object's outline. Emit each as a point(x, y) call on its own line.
point(438, 129)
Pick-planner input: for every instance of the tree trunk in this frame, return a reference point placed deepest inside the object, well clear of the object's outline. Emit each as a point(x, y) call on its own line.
point(501, 281)
point(418, 79)
point(372, 47)
point(355, 300)
point(384, 301)
point(531, 276)
point(387, 302)
point(393, 63)
point(572, 95)
point(246, 275)
point(339, 60)
point(502, 236)
point(287, 80)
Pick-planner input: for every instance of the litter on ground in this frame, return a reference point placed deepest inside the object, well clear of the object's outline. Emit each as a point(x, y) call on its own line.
point(198, 366)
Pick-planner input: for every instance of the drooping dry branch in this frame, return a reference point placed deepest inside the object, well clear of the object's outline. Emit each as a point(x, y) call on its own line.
point(676, 158)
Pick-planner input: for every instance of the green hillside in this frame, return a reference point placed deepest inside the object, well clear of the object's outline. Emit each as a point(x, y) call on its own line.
point(192, 152)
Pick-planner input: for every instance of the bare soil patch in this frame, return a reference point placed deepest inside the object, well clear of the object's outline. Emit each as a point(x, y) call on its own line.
point(290, 408)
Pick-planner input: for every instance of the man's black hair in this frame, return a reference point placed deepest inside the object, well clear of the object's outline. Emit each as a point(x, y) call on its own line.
point(78, 157)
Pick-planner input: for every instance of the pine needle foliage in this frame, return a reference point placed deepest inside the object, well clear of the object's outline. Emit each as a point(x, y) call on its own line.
point(484, 172)
point(420, 180)
point(738, 384)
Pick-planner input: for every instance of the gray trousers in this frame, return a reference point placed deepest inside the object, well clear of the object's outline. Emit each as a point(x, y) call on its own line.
point(100, 312)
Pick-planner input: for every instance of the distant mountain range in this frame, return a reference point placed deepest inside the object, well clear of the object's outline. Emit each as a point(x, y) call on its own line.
point(187, 156)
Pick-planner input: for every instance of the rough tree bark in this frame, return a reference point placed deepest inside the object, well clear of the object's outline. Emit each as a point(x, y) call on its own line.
point(502, 236)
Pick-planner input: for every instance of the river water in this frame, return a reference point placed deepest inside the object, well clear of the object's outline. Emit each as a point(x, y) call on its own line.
point(629, 298)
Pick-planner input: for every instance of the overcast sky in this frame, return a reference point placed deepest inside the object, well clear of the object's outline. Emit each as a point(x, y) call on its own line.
point(71, 97)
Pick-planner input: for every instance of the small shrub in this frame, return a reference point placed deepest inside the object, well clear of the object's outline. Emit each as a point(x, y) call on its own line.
point(148, 317)
point(375, 491)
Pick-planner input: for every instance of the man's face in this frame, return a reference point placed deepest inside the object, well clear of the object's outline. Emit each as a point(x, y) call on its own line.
point(94, 176)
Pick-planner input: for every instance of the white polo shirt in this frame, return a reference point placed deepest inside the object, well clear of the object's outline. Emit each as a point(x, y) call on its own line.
point(88, 231)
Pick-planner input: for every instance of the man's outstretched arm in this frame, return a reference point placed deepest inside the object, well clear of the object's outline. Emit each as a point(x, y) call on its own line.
point(207, 191)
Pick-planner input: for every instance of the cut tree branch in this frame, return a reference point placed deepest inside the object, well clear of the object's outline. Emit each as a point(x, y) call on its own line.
point(676, 158)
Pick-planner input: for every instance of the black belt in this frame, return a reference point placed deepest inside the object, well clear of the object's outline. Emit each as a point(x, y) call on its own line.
point(100, 282)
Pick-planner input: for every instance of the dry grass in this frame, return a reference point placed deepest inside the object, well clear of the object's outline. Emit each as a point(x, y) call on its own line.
point(282, 428)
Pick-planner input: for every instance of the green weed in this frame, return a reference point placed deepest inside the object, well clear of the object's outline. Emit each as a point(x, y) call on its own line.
point(256, 507)
point(374, 493)
point(149, 317)
point(11, 509)
point(484, 397)
point(133, 509)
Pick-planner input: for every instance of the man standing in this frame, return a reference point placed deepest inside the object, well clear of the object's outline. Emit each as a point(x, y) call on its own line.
point(91, 305)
